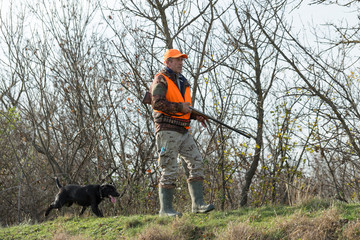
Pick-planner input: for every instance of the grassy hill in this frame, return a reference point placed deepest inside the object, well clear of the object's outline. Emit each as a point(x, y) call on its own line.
point(315, 219)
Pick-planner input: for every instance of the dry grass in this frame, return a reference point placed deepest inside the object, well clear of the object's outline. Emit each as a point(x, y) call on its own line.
point(352, 231)
point(157, 233)
point(184, 229)
point(327, 226)
point(300, 226)
point(65, 236)
point(179, 229)
point(314, 219)
point(240, 231)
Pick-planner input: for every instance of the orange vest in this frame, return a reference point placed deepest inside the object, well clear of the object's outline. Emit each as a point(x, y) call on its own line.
point(173, 95)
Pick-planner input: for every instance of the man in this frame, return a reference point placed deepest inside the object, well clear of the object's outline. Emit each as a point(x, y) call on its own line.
point(171, 100)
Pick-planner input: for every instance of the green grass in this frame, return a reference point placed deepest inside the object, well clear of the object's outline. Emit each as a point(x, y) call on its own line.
point(315, 219)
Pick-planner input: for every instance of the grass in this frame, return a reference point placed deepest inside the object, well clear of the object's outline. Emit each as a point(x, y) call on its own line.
point(314, 219)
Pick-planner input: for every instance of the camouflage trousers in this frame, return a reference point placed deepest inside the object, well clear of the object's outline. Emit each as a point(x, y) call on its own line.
point(170, 145)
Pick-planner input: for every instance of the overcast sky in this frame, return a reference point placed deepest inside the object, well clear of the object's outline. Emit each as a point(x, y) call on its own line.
point(319, 13)
point(305, 18)
point(312, 15)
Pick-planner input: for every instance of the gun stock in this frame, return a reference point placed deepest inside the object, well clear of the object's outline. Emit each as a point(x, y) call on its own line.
point(147, 98)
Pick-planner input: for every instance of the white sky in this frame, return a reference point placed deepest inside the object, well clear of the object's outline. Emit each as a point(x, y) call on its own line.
point(313, 19)
point(324, 13)
point(306, 18)
point(318, 15)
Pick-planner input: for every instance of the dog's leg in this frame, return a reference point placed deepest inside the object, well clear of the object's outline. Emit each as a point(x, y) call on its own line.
point(57, 204)
point(96, 210)
point(82, 211)
point(49, 209)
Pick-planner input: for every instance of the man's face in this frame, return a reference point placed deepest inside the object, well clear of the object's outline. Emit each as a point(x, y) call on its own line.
point(175, 64)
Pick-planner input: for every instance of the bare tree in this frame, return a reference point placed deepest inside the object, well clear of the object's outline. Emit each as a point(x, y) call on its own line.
point(255, 68)
point(324, 77)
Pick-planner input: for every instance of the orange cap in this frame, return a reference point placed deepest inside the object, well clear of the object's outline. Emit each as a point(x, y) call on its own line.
point(173, 53)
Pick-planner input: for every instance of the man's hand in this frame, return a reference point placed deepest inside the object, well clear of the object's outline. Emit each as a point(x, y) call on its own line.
point(186, 107)
point(202, 120)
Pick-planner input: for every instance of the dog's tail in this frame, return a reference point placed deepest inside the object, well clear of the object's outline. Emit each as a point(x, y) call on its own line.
point(58, 183)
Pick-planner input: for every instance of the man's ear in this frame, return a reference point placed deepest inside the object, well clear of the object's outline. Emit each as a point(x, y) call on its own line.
point(168, 60)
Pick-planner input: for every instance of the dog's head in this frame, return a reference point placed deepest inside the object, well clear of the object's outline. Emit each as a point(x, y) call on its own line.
point(109, 191)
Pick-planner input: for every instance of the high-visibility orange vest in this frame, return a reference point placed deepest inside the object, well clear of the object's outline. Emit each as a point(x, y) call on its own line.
point(173, 95)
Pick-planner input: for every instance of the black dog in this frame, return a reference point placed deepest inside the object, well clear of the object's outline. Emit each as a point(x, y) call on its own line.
point(85, 196)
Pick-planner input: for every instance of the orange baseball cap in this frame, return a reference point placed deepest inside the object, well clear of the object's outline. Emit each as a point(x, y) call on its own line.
point(173, 53)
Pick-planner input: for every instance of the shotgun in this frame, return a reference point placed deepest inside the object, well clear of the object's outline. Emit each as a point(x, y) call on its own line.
point(147, 100)
point(245, 134)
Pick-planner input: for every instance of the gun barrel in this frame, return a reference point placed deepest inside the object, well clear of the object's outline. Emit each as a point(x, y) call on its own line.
point(245, 134)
